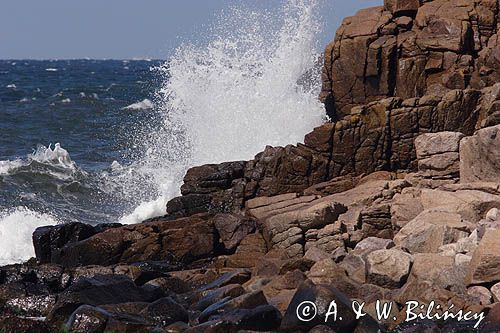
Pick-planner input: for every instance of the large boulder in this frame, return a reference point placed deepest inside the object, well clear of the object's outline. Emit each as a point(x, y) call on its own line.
point(485, 264)
point(388, 268)
point(480, 156)
point(430, 230)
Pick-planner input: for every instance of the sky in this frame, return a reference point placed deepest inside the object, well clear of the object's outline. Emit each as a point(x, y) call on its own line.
point(125, 29)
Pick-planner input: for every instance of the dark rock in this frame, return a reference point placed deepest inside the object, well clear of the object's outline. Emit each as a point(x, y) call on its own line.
point(99, 290)
point(164, 312)
point(48, 240)
point(227, 305)
point(322, 296)
point(491, 323)
point(238, 276)
point(418, 326)
point(90, 319)
point(213, 296)
point(15, 324)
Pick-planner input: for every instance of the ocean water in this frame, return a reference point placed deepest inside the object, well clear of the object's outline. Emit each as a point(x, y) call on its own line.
point(109, 141)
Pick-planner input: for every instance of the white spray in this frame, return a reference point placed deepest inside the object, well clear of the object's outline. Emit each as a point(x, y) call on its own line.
point(227, 100)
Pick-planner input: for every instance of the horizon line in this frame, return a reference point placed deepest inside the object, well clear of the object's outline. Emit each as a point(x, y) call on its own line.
point(84, 58)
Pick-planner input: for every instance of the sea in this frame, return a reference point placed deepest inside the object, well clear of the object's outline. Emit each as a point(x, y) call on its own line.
point(98, 141)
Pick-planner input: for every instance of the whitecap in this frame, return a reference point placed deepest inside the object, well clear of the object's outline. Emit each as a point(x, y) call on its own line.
point(51, 69)
point(7, 167)
point(145, 104)
point(16, 229)
point(57, 157)
point(24, 100)
point(66, 101)
point(11, 86)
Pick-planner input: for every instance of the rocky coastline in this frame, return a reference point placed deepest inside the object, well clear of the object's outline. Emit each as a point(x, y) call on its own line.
point(396, 199)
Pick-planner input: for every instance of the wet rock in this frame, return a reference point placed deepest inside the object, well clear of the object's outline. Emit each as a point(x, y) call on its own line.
point(49, 240)
point(226, 305)
point(210, 297)
point(104, 289)
point(165, 311)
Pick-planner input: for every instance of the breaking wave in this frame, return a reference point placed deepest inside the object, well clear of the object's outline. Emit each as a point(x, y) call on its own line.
point(254, 84)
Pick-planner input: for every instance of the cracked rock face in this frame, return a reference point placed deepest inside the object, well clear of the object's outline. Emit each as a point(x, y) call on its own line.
point(410, 49)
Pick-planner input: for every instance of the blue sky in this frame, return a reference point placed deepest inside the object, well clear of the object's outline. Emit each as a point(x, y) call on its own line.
point(124, 29)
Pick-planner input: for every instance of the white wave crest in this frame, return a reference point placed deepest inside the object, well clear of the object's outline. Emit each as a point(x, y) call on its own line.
point(16, 229)
point(58, 156)
point(7, 167)
point(229, 99)
point(145, 104)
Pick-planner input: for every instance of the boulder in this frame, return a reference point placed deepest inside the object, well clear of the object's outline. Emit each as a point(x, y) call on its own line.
point(388, 268)
point(99, 290)
point(49, 240)
point(485, 264)
point(233, 228)
point(319, 298)
point(430, 230)
point(480, 156)
point(482, 294)
point(495, 292)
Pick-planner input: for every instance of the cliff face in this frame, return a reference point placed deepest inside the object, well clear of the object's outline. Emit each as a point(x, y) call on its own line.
point(411, 48)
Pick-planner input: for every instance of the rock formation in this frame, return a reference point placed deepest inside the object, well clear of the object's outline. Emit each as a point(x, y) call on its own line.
point(396, 199)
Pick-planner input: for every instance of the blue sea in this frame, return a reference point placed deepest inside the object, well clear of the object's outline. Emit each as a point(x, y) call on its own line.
point(98, 141)
point(62, 126)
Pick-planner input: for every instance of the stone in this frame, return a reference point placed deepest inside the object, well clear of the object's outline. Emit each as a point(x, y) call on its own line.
point(101, 289)
point(233, 228)
point(491, 323)
point(48, 241)
point(430, 144)
point(371, 244)
point(388, 268)
point(485, 264)
point(493, 214)
point(224, 306)
point(330, 273)
point(165, 311)
point(471, 204)
point(402, 7)
point(495, 292)
point(431, 277)
point(430, 230)
point(405, 207)
point(480, 156)
point(322, 296)
point(482, 294)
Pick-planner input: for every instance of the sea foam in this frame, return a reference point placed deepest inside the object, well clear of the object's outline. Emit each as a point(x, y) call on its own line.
point(16, 228)
point(227, 99)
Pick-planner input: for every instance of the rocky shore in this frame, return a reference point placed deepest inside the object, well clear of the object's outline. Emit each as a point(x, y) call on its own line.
point(397, 199)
